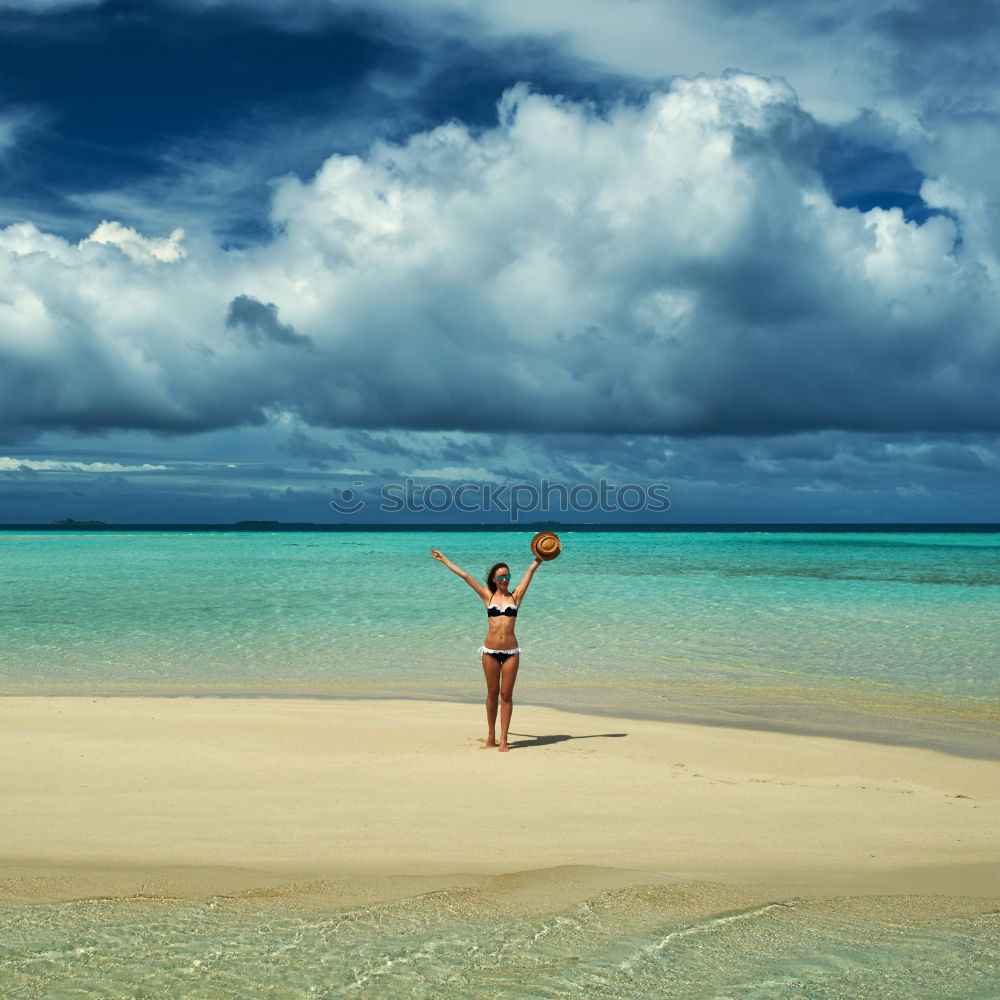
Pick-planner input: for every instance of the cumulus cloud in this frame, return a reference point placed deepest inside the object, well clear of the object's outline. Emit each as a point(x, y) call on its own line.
point(672, 266)
point(92, 337)
point(136, 246)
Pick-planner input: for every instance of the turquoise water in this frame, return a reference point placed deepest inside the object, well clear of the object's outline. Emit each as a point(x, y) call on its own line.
point(354, 612)
point(651, 942)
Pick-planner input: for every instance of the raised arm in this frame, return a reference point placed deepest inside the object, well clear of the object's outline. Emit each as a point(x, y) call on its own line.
point(474, 584)
point(518, 592)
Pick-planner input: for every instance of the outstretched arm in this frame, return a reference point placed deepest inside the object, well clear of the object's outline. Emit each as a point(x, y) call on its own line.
point(518, 592)
point(474, 584)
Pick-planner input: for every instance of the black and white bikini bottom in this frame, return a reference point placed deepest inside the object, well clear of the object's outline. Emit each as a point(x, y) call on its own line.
point(500, 655)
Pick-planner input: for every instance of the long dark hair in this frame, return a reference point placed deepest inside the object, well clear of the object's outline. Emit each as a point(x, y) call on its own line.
point(490, 582)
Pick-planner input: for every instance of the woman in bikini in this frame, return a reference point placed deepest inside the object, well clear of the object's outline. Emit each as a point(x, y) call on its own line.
point(501, 653)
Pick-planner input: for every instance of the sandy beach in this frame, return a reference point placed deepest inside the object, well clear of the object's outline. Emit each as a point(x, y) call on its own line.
point(197, 795)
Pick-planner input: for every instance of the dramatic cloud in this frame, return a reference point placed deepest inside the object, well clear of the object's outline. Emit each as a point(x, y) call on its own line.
point(750, 248)
point(259, 321)
point(292, 475)
point(676, 266)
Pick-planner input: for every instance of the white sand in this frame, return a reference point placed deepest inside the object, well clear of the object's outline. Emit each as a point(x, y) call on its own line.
point(381, 788)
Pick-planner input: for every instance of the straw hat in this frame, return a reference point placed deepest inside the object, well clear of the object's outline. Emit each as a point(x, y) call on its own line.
point(546, 545)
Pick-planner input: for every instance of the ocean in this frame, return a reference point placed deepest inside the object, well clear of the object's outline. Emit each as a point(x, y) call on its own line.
point(884, 635)
point(858, 632)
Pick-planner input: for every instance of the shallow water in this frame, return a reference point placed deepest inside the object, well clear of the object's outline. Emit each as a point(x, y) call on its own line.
point(344, 613)
point(685, 941)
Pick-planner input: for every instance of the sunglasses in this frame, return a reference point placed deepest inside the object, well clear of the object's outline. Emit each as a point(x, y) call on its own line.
point(502, 576)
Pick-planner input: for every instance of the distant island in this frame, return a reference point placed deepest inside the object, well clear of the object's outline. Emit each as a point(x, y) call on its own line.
point(274, 524)
point(72, 522)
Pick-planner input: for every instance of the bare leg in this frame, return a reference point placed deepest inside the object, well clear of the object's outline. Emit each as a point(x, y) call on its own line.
point(509, 675)
point(491, 670)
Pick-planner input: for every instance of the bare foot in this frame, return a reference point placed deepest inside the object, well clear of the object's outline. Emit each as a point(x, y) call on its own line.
point(490, 743)
point(504, 748)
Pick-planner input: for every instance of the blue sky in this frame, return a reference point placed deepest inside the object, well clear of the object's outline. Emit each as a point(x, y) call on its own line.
point(255, 253)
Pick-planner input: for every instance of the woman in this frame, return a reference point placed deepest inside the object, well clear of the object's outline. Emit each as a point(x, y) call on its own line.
point(501, 653)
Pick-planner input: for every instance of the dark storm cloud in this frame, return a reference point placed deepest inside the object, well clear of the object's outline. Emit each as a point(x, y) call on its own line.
point(378, 444)
point(301, 445)
point(816, 476)
point(454, 451)
point(259, 323)
point(954, 456)
point(951, 49)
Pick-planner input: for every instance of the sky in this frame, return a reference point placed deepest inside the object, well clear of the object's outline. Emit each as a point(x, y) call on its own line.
point(334, 261)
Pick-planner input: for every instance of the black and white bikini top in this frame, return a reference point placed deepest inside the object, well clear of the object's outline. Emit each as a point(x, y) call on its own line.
point(494, 612)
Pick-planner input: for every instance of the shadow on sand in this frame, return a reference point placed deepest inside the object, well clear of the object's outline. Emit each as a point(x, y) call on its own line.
point(526, 740)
